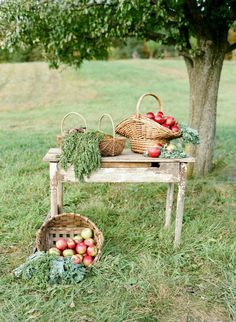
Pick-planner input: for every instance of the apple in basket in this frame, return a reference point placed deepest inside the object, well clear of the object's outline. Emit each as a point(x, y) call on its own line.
point(159, 119)
point(175, 128)
point(77, 259)
point(88, 260)
point(71, 243)
point(68, 252)
point(92, 251)
point(81, 248)
point(54, 251)
point(78, 238)
point(149, 115)
point(87, 233)
point(61, 244)
point(89, 242)
point(170, 121)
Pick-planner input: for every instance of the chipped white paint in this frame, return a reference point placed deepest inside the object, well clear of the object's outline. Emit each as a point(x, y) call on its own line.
point(169, 204)
point(180, 203)
point(54, 187)
point(132, 175)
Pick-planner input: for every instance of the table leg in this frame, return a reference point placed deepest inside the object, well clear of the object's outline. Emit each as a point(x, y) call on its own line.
point(180, 203)
point(54, 188)
point(59, 194)
point(169, 204)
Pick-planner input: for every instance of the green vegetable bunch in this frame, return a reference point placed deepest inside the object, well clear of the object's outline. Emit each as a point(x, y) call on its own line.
point(43, 269)
point(82, 151)
point(176, 153)
point(189, 135)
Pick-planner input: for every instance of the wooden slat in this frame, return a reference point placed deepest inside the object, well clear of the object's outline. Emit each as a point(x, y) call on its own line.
point(165, 174)
point(53, 155)
point(126, 165)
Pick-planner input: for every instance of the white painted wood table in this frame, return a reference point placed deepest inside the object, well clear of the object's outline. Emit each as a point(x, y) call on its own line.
point(127, 167)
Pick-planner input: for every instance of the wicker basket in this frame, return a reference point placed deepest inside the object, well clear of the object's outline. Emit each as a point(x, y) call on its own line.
point(63, 133)
point(139, 126)
point(141, 145)
point(110, 145)
point(66, 225)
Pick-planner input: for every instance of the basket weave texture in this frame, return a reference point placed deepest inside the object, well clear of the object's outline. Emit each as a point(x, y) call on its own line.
point(143, 132)
point(66, 225)
point(110, 145)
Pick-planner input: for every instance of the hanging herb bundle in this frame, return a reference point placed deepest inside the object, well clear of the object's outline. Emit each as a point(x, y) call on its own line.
point(82, 151)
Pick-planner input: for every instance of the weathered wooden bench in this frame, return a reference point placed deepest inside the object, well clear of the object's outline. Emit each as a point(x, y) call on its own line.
point(127, 167)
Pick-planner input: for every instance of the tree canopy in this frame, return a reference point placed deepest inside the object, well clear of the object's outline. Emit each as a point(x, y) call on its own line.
point(71, 31)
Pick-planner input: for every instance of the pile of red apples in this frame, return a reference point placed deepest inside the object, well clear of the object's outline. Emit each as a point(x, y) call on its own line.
point(81, 248)
point(165, 121)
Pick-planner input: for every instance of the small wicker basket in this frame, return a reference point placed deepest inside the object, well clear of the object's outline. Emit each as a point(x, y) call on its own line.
point(63, 133)
point(110, 145)
point(66, 225)
point(139, 126)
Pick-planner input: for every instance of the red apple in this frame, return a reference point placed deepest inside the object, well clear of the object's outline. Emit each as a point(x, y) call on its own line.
point(61, 243)
point(170, 120)
point(150, 115)
point(81, 248)
point(160, 113)
point(54, 251)
point(154, 152)
point(89, 242)
point(71, 243)
point(68, 252)
point(175, 128)
point(78, 238)
point(77, 259)
point(88, 260)
point(92, 251)
point(87, 233)
point(159, 119)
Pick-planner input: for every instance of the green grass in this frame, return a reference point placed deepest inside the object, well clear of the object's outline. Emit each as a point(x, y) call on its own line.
point(140, 277)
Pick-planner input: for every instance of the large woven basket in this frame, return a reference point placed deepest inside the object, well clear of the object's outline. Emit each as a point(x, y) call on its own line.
point(139, 126)
point(66, 225)
point(81, 128)
point(142, 145)
point(110, 145)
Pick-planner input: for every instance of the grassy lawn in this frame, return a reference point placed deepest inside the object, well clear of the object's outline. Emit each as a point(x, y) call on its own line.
point(140, 277)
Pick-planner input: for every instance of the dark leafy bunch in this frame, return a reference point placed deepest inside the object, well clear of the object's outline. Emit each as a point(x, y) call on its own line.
point(82, 151)
point(42, 269)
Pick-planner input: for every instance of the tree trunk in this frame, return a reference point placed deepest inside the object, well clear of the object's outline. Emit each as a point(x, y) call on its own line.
point(204, 76)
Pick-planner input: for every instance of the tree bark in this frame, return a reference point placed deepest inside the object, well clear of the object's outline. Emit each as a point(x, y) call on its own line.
point(204, 76)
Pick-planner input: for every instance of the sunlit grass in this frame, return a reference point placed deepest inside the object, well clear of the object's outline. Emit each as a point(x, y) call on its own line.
point(140, 277)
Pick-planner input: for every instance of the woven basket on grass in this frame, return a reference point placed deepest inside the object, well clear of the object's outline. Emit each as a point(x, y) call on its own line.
point(66, 225)
point(139, 126)
point(110, 145)
point(63, 132)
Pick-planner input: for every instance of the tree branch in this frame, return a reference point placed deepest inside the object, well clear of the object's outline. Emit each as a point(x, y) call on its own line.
point(231, 47)
point(187, 57)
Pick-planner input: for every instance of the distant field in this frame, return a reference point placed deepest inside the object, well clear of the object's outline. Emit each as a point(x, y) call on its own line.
point(140, 277)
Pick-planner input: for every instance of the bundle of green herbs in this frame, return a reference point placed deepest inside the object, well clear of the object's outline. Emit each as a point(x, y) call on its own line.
point(42, 269)
point(82, 151)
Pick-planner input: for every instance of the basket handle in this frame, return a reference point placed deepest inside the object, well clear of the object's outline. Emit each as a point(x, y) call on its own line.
point(100, 121)
point(141, 99)
point(74, 113)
